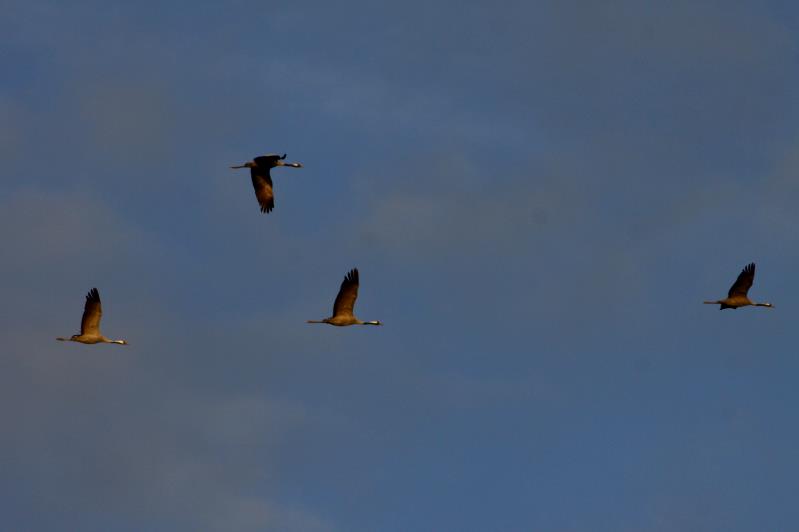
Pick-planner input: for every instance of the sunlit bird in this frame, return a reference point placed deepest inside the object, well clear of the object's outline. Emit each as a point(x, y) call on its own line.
point(345, 301)
point(262, 180)
point(737, 297)
point(90, 323)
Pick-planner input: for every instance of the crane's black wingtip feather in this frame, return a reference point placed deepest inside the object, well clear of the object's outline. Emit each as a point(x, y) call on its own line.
point(351, 276)
point(93, 295)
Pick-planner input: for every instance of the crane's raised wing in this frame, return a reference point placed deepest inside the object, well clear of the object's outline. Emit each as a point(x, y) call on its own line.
point(262, 183)
point(744, 281)
point(347, 294)
point(92, 312)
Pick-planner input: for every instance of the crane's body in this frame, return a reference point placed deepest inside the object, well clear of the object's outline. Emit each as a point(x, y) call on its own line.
point(92, 339)
point(343, 321)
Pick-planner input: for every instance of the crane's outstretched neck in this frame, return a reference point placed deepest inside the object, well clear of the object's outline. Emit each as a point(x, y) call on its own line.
point(373, 322)
point(768, 305)
point(120, 342)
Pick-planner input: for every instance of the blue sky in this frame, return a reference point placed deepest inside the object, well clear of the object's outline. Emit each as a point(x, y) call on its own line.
point(538, 196)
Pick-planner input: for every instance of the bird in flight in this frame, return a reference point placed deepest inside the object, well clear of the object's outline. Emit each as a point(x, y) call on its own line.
point(262, 181)
point(345, 301)
point(737, 297)
point(90, 323)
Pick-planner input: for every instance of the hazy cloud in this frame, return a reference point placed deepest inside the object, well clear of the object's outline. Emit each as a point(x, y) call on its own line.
point(538, 198)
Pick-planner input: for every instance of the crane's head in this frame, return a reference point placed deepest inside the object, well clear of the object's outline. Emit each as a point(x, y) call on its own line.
point(291, 165)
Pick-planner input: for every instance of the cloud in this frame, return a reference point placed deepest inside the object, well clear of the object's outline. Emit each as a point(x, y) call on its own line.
point(125, 431)
point(46, 226)
point(129, 117)
point(164, 457)
point(463, 206)
point(13, 133)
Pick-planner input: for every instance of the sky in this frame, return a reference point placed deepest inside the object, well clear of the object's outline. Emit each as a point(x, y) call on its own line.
point(538, 196)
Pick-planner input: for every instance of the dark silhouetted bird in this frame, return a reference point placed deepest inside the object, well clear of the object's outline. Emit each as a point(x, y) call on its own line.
point(262, 181)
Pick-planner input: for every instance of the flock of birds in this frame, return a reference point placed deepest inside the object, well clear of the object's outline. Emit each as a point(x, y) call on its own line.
point(343, 307)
